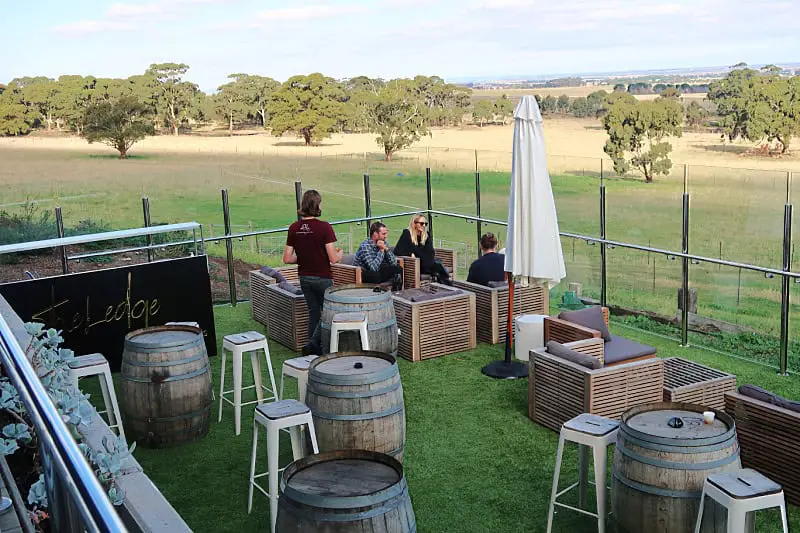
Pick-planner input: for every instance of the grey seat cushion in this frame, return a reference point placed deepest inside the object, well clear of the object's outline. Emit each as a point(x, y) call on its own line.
point(498, 284)
point(590, 317)
point(620, 349)
point(418, 295)
point(559, 350)
point(766, 396)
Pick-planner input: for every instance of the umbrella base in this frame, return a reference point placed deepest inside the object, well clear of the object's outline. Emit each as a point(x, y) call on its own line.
point(506, 370)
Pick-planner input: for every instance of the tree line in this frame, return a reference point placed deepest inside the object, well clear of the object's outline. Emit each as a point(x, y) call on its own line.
point(399, 111)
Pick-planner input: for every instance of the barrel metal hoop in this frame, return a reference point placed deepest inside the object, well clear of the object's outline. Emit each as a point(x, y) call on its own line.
point(357, 379)
point(387, 498)
point(362, 308)
point(370, 326)
point(193, 374)
point(710, 465)
point(644, 437)
point(165, 363)
point(394, 453)
point(656, 491)
point(162, 419)
point(372, 298)
point(363, 416)
point(164, 347)
point(363, 394)
point(678, 449)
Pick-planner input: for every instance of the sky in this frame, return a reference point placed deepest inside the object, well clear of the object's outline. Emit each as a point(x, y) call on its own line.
point(455, 39)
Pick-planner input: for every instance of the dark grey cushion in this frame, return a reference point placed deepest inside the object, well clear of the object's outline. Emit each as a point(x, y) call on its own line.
point(348, 259)
point(498, 284)
point(559, 350)
point(271, 272)
point(590, 317)
point(620, 349)
point(290, 287)
point(766, 396)
point(419, 295)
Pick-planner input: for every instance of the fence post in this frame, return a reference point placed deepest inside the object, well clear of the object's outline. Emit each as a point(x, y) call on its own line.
point(478, 203)
point(787, 263)
point(62, 249)
point(226, 213)
point(298, 196)
point(367, 204)
point(685, 266)
point(146, 213)
point(603, 277)
point(430, 201)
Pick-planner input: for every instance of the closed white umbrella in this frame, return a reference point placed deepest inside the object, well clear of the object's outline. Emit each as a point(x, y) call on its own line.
point(533, 244)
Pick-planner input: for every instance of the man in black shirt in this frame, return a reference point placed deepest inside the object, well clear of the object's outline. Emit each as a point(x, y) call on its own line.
point(490, 266)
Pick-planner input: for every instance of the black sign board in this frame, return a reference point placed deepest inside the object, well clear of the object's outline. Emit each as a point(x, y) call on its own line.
point(94, 310)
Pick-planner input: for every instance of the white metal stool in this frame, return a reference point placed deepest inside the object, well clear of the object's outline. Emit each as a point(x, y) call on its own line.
point(274, 417)
point(297, 368)
point(239, 344)
point(196, 325)
point(598, 433)
point(741, 492)
point(349, 322)
point(96, 365)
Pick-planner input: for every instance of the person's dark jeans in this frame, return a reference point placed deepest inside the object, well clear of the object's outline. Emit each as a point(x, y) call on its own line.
point(314, 292)
point(386, 272)
point(436, 269)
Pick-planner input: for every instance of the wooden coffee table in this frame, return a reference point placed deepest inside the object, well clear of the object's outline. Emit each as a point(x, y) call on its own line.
point(689, 382)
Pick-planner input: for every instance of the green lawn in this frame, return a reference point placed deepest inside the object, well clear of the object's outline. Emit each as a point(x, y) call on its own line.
point(474, 461)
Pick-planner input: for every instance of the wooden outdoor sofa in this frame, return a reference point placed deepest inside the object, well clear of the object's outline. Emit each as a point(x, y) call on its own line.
point(559, 390)
point(491, 307)
point(769, 440)
point(435, 325)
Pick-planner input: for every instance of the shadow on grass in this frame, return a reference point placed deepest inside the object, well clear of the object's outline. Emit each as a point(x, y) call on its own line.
point(303, 143)
point(116, 156)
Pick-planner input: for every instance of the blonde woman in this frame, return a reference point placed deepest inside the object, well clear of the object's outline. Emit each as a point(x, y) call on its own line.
point(415, 242)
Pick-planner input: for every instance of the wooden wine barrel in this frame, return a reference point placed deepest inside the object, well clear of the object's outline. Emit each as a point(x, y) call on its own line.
point(356, 401)
point(659, 470)
point(345, 491)
point(381, 320)
point(166, 385)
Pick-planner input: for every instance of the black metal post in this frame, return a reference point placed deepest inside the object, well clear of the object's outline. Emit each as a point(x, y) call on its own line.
point(430, 201)
point(478, 206)
point(62, 249)
point(226, 213)
point(787, 262)
point(146, 212)
point(685, 261)
point(367, 204)
point(603, 277)
point(298, 196)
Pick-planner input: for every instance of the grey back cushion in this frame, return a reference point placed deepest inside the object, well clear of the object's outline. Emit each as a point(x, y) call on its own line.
point(290, 287)
point(348, 259)
point(271, 272)
point(764, 395)
point(497, 284)
point(559, 350)
point(590, 317)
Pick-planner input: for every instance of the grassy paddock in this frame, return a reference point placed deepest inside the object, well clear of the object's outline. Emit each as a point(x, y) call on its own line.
point(734, 214)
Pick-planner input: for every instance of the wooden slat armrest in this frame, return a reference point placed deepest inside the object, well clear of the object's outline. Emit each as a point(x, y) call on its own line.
point(259, 276)
point(556, 329)
point(345, 274)
point(474, 287)
point(447, 257)
point(594, 347)
point(573, 367)
point(787, 415)
point(654, 363)
point(411, 271)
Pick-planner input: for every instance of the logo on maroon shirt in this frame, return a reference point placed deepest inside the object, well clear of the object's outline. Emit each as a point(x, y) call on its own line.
point(304, 228)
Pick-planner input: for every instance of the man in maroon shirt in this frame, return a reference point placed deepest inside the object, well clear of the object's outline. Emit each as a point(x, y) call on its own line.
point(309, 244)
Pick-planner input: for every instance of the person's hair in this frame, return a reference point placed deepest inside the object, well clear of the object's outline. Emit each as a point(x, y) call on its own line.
point(488, 241)
point(412, 229)
point(376, 228)
point(309, 205)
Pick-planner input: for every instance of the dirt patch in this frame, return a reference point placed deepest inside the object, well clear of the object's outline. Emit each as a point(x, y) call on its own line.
point(48, 265)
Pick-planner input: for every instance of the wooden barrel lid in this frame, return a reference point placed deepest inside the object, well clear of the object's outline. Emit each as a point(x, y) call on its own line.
point(353, 368)
point(652, 422)
point(356, 294)
point(157, 337)
point(344, 478)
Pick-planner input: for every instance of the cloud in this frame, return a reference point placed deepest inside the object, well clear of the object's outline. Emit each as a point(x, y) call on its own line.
point(308, 12)
point(127, 17)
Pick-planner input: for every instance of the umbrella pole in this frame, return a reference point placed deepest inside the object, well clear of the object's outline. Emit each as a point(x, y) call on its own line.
point(507, 369)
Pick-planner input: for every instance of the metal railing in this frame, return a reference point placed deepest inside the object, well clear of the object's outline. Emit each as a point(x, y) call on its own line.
point(67, 472)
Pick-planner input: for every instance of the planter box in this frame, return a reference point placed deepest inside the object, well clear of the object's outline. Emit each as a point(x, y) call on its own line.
point(436, 327)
